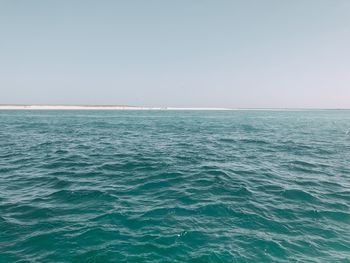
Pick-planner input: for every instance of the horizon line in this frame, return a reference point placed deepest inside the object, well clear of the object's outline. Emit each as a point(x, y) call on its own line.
point(128, 107)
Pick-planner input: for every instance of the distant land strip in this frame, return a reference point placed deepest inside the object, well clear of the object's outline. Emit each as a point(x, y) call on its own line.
point(94, 107)
point(127, 107)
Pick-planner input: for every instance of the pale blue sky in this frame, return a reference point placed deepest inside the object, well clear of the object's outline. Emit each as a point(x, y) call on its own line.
point(184, 53)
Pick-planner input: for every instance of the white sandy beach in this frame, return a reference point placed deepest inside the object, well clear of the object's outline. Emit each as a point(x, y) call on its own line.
point(94, 107)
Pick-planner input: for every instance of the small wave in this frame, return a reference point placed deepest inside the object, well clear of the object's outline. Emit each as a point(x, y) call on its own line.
point(299, 195)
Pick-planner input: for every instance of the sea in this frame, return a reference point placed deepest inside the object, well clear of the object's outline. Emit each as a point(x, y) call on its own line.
point(174, 186)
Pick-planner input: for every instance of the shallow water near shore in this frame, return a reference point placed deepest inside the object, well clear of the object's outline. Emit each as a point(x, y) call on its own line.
point(174, 186)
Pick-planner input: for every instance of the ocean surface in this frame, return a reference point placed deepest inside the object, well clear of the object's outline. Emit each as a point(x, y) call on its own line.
point(174, 186)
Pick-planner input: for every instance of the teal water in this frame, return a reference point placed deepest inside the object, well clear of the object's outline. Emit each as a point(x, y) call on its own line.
point(174, 186)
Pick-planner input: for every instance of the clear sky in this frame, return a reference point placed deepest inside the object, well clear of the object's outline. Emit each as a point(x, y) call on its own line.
point(183, 53)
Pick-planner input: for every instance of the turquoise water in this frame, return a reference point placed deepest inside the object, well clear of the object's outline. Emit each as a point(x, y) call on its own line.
point(174, 186)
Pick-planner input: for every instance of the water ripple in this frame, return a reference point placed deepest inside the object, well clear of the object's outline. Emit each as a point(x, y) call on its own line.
point(162, 186)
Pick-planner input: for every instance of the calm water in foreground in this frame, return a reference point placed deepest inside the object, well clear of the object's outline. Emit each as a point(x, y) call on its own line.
point(174, 186)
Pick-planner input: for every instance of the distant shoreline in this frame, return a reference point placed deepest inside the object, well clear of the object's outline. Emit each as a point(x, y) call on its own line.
point(125, 107)
point(95, 107)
